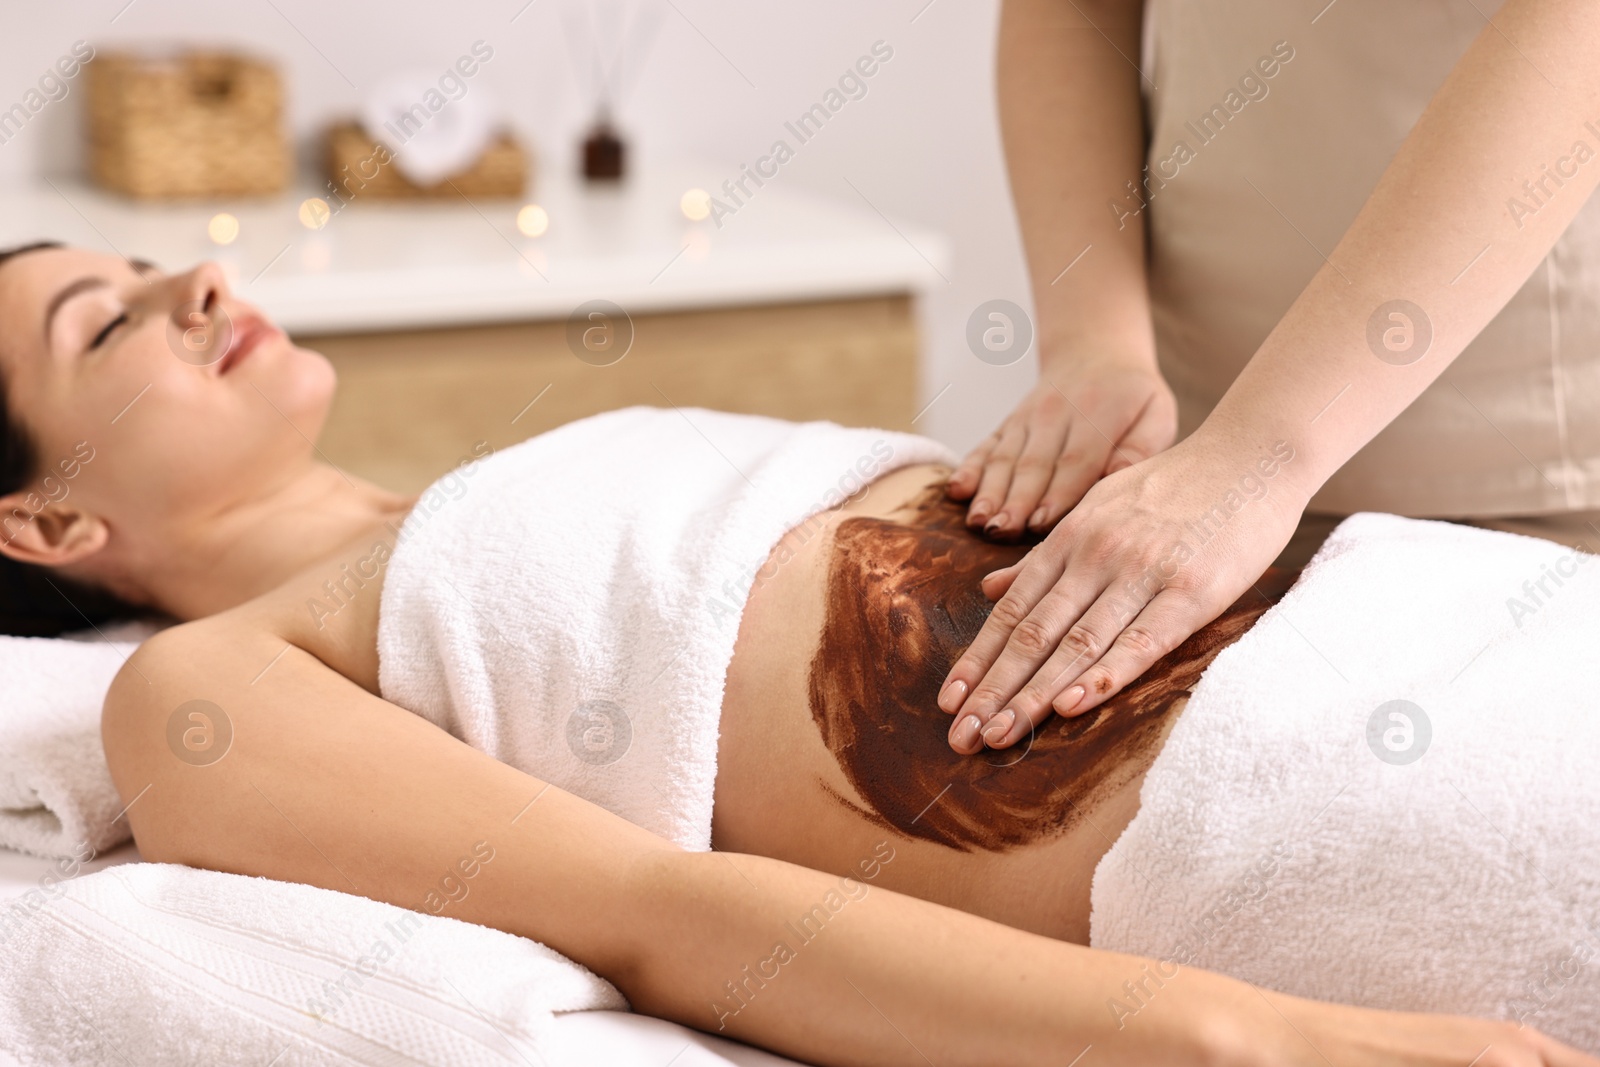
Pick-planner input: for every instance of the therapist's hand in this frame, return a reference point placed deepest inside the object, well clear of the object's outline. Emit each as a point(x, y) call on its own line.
point(1151, 554)
point(1082, 421)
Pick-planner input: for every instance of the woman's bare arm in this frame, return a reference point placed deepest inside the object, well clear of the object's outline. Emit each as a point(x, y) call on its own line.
point(1068, 85)
point(326, 784)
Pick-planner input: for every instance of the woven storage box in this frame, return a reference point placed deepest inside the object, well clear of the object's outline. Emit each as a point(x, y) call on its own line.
point(196, 124)
point(357, 169)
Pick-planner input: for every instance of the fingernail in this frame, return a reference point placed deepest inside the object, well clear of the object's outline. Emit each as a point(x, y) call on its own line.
point(995, 523)
point(1069, 700)
point(1018, 731)
point(954, 693)
point(966, 733)
point(1036, 520)
point(999, 727)
point(978, 513)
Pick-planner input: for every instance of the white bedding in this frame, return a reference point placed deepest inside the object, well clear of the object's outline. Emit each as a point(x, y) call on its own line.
point(577, 1039)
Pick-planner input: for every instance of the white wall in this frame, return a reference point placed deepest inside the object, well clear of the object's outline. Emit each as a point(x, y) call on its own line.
point(720, 79)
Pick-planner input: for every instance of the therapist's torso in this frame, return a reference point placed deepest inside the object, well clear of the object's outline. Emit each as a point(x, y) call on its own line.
point(1258, 177)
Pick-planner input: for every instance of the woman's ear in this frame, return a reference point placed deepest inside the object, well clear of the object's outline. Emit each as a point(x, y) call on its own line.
point(52, 536)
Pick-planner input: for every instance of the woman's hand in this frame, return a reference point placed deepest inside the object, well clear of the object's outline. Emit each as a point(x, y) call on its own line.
point(1151, 554)
point(1071, 430)
point(1312, 1032)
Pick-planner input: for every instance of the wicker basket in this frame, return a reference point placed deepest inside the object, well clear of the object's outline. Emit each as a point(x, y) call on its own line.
point(357, 169)
point(196, 124)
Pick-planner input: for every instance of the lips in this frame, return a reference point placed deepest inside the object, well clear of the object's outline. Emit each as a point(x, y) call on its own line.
point(248, 334)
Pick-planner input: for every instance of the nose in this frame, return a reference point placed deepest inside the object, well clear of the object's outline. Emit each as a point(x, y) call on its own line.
point(200, 329)
point(201, 289)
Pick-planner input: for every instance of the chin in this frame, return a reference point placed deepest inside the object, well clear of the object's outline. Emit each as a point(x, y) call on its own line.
point(301, 385)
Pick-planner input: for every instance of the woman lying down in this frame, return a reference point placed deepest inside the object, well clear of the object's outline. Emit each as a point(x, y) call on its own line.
point(653, 633)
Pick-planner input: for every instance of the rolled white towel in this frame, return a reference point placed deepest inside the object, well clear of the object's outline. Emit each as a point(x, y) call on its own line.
point(56, 794)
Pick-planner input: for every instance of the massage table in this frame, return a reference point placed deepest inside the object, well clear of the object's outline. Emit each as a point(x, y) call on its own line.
point(581, 1038)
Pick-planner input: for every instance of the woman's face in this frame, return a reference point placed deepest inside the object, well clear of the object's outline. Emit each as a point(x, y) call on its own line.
point(187, 397)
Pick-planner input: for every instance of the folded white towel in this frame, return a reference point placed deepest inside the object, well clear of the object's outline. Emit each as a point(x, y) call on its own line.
point(429, 137)
point(152, 963)
point(569, 605)
point(1301, 831)
point(56, 794)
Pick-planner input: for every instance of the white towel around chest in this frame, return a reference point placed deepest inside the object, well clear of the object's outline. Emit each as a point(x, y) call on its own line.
point(569, 605)
point(1296, 833)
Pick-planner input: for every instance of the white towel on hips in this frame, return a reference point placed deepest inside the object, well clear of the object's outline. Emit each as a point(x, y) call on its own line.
point(569, 605)
point(1304, 831)
point(154, 963)
point(56, 793)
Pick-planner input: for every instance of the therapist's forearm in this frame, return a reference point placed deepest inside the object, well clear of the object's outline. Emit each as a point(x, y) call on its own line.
point(1073, 130)
point(1496, 123)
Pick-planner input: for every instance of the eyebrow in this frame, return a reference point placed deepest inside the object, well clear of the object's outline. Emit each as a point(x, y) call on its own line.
point(82, 285)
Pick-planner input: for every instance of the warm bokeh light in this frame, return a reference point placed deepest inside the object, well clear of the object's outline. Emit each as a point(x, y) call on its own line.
point(314, 213)
point(223, 228)
point(532, 220)
point(695, 204)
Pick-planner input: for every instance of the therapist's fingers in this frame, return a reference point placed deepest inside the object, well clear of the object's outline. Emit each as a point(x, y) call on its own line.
point(1032, 577)
point(1079, 466)
point(995, 583)
point(1163, 624)
point(996, 479)
point(1079, 678)
point(1153, 431)
point(1047, 430)
point(964, 482)
point(1021, 632)
point(1085, 639)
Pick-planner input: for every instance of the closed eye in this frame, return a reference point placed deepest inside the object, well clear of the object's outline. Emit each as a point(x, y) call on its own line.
point(100, 338)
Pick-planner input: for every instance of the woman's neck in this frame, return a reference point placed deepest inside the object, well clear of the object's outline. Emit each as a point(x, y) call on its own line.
point(257, 544)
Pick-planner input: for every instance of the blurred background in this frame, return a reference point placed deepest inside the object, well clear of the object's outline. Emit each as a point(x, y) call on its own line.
point(839, 286)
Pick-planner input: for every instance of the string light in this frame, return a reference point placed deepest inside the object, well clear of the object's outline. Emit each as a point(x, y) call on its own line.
point(223, 228)
point(532, 220)
point(314, 213)
point(695, 204)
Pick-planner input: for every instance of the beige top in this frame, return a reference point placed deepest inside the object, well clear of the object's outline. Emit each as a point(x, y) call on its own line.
point(1278, 170)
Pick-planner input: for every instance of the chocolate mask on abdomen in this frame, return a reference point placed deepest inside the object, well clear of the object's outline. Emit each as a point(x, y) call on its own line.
point(903, 602)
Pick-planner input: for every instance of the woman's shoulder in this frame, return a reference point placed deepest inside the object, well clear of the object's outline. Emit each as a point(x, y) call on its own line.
point(185, 678)
point(329, 609)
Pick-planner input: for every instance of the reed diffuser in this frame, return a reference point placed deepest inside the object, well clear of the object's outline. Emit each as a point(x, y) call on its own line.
point(616, 43)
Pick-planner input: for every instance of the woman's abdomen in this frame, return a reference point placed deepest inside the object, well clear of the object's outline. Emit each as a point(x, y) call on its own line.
point(834, 751)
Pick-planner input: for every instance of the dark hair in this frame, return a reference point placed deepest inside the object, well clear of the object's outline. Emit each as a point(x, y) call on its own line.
point(33, 601)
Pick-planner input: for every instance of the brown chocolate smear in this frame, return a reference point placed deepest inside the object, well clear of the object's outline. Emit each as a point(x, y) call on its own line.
point(903, 602)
